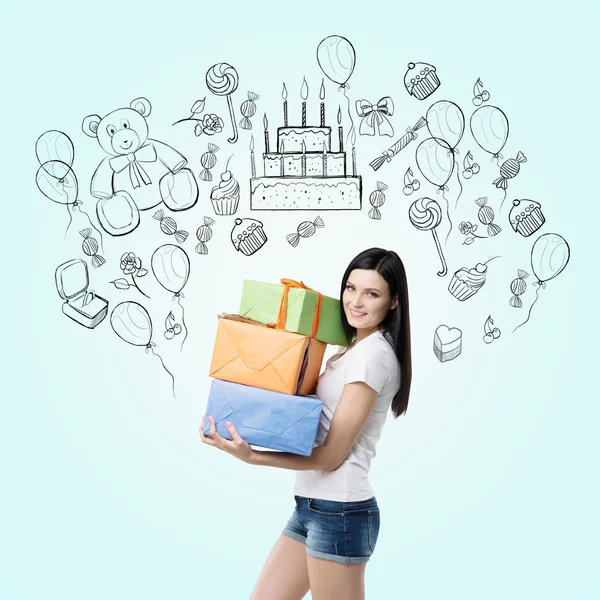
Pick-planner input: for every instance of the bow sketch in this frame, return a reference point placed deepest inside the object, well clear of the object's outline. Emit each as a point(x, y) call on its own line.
point(375, 116)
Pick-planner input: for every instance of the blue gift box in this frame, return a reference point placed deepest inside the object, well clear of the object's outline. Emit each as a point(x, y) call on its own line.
point(264, 418)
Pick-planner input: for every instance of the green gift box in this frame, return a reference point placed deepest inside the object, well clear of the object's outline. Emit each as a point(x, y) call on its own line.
point(261, 301)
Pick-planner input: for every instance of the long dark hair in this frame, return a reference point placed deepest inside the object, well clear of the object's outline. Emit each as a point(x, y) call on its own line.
point(396, 324)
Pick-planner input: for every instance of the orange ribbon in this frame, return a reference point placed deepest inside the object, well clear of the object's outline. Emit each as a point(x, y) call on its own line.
point(282, 315)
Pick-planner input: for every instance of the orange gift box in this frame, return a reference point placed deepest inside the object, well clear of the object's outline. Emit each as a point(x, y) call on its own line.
point(252, 353)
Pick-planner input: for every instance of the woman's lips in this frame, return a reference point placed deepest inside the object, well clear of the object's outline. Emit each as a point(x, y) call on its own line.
point(357, 315)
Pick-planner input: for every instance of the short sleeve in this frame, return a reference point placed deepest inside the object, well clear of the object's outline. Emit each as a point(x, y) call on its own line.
point(370, 364)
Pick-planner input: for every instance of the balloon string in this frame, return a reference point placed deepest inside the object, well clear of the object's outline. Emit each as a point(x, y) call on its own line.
point(503, 199)
point(529, 314)
point(459, 183)
point(232, 117)
point(167, 370)
point(447, 213)
point(70, 221)
point(350, 115)
point(183, 322)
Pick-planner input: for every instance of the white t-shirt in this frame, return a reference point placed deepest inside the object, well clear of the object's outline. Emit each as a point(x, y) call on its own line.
point(373, 361)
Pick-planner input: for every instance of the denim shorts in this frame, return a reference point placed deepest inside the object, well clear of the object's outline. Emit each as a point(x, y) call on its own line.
point(344, 532)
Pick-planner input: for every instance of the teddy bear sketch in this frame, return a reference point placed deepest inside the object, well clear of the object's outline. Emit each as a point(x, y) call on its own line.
point(139, 172)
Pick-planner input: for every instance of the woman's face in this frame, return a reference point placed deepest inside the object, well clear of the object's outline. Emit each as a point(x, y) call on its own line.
point(366, 299)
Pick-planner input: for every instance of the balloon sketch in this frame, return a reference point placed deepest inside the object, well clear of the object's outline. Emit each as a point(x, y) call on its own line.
point(489, 126)
point(132, 323)
point(171, 267)
point(337, 58)
point(549, 256)
point(56, 179)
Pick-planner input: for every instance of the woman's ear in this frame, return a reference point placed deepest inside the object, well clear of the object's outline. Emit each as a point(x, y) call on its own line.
point(394, 302)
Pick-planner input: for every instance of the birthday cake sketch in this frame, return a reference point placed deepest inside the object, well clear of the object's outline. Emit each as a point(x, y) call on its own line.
point(305, 173)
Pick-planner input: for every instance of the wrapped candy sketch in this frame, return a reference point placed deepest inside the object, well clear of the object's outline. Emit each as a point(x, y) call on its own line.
point(304, 172)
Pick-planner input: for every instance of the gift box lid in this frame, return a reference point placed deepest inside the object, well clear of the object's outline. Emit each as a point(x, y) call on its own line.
point(72, 278)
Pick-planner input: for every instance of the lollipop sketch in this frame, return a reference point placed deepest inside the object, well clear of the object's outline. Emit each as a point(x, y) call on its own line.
point(222, 80)
point(426, 214)
point(171, 267)
point(132, 323)
point(549, 256)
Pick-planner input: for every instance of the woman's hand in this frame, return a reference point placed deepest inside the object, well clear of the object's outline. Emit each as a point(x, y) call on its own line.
point(236, 447)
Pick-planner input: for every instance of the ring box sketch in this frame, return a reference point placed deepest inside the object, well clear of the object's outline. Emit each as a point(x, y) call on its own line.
point(305, 174)
point(81, 304)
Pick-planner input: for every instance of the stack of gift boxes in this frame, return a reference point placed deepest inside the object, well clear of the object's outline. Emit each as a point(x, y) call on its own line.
point(266, 362)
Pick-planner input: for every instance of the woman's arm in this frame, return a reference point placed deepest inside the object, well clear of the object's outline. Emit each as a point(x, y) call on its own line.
point(349, 418)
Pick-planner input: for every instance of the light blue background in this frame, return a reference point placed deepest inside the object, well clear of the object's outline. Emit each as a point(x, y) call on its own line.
point(488, 486)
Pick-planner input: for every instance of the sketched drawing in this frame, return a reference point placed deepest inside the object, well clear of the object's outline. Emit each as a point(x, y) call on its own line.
point(56, 179)
point(306, 229)
point(375, 117)
point(222, 80)
point(526, 217)
point(284, 95)
point(305, 173)
point(411, 184)
point(90, 247)
point(169, 227)
point(210, 124)
point(225, 197)
point(467, 282)
point(377, 200)
point(171, 327)
point(510, 168)
point(446, 123)
point(549, 256)
point(337, 58)
point(248, 236)
point(409, 136)
point(81, 304)
point(470, 167)
point(421, 80)
point(485, 214)
point(479, 94)
point(132, 323)
point(447, 343)
point(435, 160)
point(248, 110)
point(208, 160)
point(490, 333)
point(426, 214)
point(149, 171)
point(171, 267)
point(204, 234)
point(489, 126)
point(130, 265)
point(518, 287)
